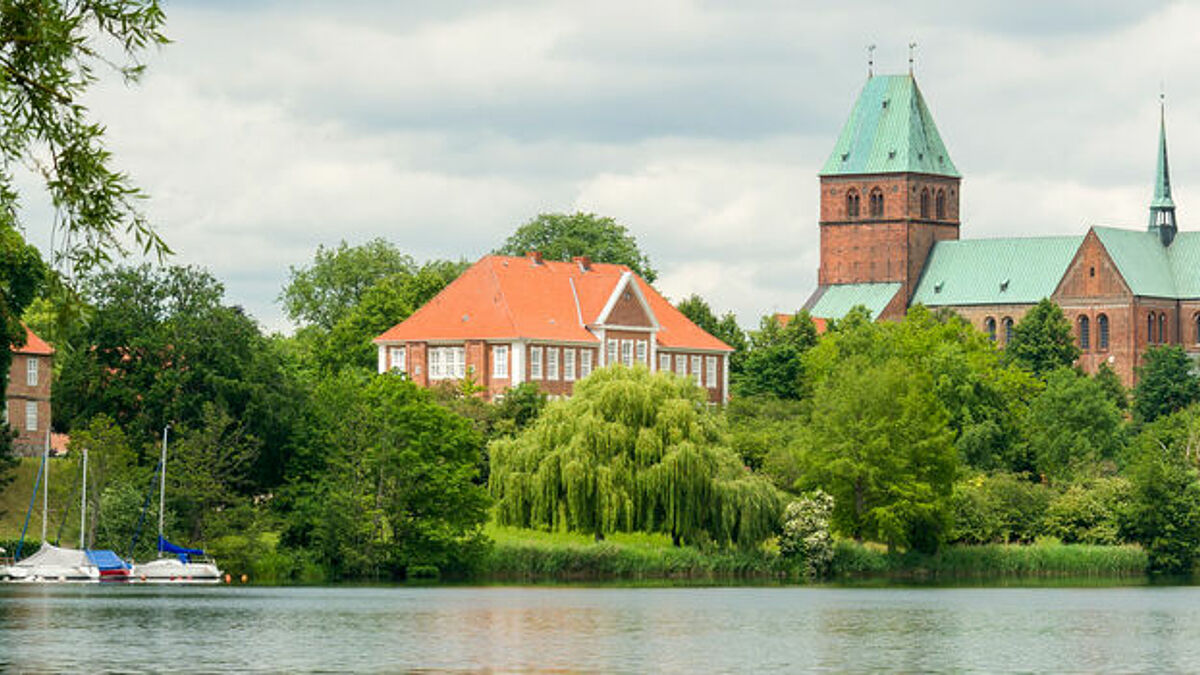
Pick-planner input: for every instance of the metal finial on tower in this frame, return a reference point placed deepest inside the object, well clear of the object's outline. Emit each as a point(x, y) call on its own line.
point(870, 60)
point(911, 46)
point(1162, 207)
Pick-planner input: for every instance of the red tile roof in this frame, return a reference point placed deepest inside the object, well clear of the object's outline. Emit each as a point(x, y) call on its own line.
point(500, 298)
point(34, 345)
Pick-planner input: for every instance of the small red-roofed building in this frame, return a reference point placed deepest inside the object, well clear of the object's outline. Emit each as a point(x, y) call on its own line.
point(509, 320)
point(27, 399)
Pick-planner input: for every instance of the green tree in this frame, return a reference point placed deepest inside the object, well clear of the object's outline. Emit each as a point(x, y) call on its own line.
point(1163, 511)
point(562, 236)
point(388, 481)
point(1111, 384)
point(1042, 340)
point(631, 451)
point(1072, 426)
point(725, 329)
point(208, 470)
point(881, 446)
point(773, 364)
point(162, 346)
point(322, 293)
point(1165, 383)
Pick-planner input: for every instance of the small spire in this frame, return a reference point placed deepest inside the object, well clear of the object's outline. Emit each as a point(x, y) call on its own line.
point(911, 47)
point(870, 61)
point(1162, 208)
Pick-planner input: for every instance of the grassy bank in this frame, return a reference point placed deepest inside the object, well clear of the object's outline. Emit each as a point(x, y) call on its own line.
point(525, 555)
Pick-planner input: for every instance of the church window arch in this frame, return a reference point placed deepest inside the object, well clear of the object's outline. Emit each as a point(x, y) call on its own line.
point(1150, 328)
point(876, 203)
point(989, 326)
point(1007, 324)
point(940, 206)
point(852, 199)
point(925, 203)
point(1085, 333)
point(1102, 330)
point(1196, 323)
point(1162, 328)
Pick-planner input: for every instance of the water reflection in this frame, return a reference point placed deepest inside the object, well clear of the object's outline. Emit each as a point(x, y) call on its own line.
point(58, 628)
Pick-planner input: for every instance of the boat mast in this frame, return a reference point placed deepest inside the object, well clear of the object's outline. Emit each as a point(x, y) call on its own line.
point(83, 505)
point(162, 488)
point(46, 486)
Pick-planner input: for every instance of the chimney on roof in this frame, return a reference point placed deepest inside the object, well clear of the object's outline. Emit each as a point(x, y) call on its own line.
point(535, 257)
point(584, 262)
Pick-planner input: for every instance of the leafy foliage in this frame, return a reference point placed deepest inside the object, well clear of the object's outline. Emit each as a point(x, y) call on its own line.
point(1072, 426)
point(998, 508)
point(562, 236)
point(1042, 341)
point(773, 366)
point(1165, 383)
point(631, 451)
point(880, 445)
point(389, 483)
point(1163, 512)
point(806, 533)
point(725, 329)
point(322, 293)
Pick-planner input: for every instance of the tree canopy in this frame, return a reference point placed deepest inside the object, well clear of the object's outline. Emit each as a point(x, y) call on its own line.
point(632, 451)
point(1042, 340)
point(773, 363)
point(322, 293)
point(562, 236)
point(1165, 383)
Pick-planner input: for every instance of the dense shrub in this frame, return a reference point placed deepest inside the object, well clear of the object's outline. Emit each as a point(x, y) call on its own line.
point(806, 533)
point(998, 508)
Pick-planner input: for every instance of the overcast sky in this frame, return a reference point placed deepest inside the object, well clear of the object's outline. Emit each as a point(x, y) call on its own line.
point(269, 128)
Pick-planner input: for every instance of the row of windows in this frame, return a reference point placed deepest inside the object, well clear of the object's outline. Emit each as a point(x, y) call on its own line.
point(558, 364)
point(989, 326)
point(875, 203)
point(31, 415)
point(447, 363)
point(703, 370)
point(1085, 332)
point(631, 351)
point(1161, 320)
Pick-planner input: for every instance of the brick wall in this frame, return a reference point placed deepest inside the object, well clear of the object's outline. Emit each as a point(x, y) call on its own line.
point(29, 441)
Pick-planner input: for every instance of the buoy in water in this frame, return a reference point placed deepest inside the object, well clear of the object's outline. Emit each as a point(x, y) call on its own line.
point(245, 578)
point(228, 578)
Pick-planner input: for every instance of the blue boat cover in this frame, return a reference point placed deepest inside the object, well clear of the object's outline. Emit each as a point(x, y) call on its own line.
point(106, 560)
point(165, 546)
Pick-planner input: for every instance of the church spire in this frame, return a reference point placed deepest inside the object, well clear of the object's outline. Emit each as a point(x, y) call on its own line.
point(1162, 208)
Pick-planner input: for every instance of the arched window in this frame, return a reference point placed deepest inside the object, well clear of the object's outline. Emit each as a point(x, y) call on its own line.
point(876, 203)
point(852, 204)
point(941, 205)
point(1102, 326)
point(1162, 328)
point(1150, 328)
point(1085, 333)
point(989, 325)
point(1007, 323)
point(924, 203)
point(1196, 320)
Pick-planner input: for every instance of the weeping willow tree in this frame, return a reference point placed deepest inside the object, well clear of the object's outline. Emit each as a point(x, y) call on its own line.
point(632, 451)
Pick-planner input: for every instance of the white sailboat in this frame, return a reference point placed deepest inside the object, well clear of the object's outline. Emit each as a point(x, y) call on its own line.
point(175, 564)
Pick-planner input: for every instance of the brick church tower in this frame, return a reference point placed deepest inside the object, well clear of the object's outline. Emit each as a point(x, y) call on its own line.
point(888, 192)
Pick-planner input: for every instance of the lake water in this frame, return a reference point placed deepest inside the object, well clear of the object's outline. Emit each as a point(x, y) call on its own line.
point(139, 628)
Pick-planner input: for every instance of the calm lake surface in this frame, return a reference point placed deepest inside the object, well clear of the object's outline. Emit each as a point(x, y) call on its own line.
point(138, 628)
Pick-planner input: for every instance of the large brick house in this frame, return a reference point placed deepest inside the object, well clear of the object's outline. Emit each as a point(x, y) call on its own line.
point(509, 320)
point(889, 222)
point(27, 399)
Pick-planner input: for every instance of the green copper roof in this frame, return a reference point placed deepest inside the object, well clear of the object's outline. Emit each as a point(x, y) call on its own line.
point(1152, 269)
point(994, 271)
point(890, 130)
point(1162, 177)
point(835, 300)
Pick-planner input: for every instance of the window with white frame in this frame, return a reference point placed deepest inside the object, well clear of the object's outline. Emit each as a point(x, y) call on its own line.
point(500, 361)
point(585, 363)
point(447, 363)
point(696, 370)
point(643, 353)
point(680, 364)
point(611, 355)
point(535, 363)
point(664, 363)
point(710, 371)
point(31, 371)
point(627, 353)
point(569, 365)
point(31, 416)
point(552, 363)
point(396, 358)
